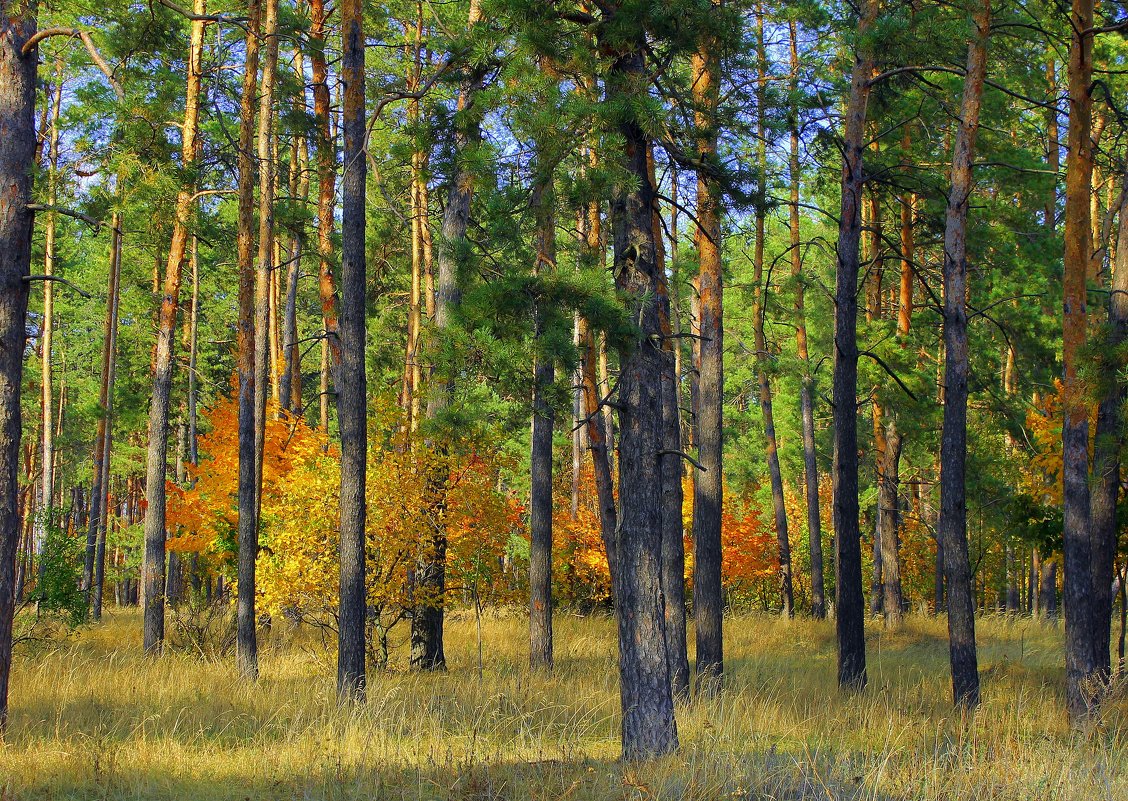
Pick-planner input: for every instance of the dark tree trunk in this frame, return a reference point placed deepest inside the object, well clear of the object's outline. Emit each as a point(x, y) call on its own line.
point(17, 155)
point(1108, 441)
point(351, 380)
point(648, 725)
point(673, 532)
point(707, 390)
point(247, 335)
point(1080, 664)
point(952, 528)
point(806, 388)
point(849, 600)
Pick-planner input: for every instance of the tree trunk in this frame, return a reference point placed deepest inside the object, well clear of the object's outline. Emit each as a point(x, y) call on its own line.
point(95, 563)
point(47, 326)
point(540, 457)
point(153, 564)
point(247, 336)
point(1080, 663)
point(351, 380)
point(807, 384)
point(648, 725)
point(889, 524)
point(952, 528)
point(17, 154)
point(849, 602)
point(1108, 441)
point(708, 398)
point(427, 622)
point(326, 150)
point(290, 388)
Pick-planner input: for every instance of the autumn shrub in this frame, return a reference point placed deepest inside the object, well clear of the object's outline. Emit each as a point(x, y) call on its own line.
point(413, 496)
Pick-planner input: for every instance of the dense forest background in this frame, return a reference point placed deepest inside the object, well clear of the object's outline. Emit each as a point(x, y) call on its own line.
point(350, 314)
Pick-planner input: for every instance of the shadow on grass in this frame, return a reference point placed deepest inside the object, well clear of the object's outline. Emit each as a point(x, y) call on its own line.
point(754, 778)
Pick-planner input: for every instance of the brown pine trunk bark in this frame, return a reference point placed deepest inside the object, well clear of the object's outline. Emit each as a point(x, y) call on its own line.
point(1080, 662)
point(849, 600)
point(290, 382)
point(707, 387)
point(807, 385)
point(325, 148)
point(952, 528)
point(673, 534)
point(247, 336)
point(427, 620)
point(351, 379)
point(17, 154)
point(153, 564)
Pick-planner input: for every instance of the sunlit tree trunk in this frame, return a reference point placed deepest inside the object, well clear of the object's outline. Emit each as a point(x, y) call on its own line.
point(47, 324)
point(1080, 662)
point(707, 400)
point(153, 564)
point(325, 149)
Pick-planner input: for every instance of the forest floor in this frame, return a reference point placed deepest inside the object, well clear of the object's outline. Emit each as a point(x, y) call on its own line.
point(94, 719)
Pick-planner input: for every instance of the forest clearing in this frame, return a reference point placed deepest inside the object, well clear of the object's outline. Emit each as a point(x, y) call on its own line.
point(98, 720)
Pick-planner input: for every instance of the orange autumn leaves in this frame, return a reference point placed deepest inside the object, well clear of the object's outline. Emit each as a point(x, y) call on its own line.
point(298, 564)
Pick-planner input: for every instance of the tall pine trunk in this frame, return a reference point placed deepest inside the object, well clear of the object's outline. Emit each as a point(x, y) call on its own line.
point(1080, 663)
point(17, 154)
point(351, 379)
point(708, 483)
point(153, 564)
point(952, 528)
point(849, 600)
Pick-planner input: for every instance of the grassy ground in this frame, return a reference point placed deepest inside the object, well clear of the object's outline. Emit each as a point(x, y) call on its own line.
point(92, 718)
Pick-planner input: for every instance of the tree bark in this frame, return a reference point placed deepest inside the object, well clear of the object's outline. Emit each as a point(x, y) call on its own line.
point(1080, 663)
point(648, 725)
point(326, 198)
point(153, 564)
point(17, 155)
point(351, 379)
point(889, 523)
point(952, 528)
point(1108, 441)
point(708, 398)
point(807, 383)
point(247, 336)
point(849, 600)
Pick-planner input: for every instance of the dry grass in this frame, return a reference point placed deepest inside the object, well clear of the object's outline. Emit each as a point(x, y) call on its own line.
point(92, 718)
